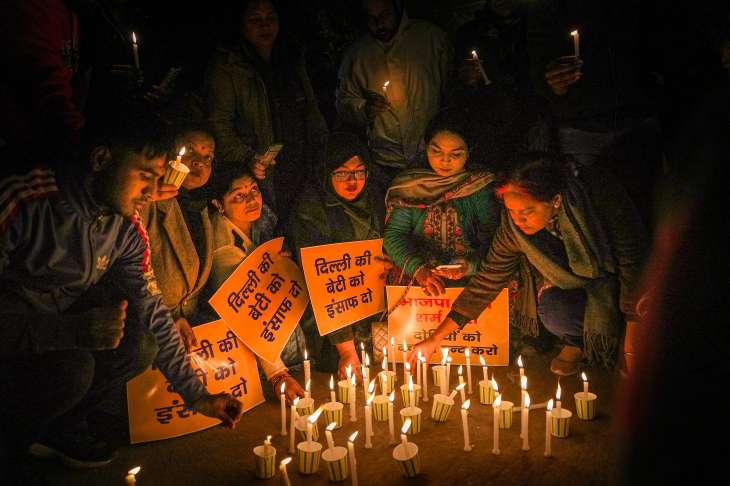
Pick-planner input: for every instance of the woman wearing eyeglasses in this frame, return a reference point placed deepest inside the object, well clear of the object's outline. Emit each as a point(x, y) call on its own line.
point(444, 214)
point(339, 205)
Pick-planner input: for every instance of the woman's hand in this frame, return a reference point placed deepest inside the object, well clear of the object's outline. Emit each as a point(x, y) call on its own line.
point(165, 191)
point(453, 273)
point(292, 387)
point(186, 334)
point(427, 347)
point(348, 356)
point(429, 282)
point(221, 406)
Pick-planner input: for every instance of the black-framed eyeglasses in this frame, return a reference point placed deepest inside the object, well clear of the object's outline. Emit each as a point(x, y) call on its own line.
point(346, 175)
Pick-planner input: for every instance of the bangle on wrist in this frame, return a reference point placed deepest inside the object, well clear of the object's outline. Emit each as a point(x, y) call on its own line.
point(279, 378)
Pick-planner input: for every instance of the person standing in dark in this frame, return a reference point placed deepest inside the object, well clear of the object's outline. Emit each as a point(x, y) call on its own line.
point(258, 94)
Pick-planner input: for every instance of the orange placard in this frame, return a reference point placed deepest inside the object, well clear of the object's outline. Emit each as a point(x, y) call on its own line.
point(344, 282)
point(418, 314)
point(263, 300)
point(222, 362)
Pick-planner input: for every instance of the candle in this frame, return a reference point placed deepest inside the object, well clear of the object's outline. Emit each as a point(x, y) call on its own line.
point(548, 412)
point(445, 355)
point(135, 50)
point(585, 384)
point(408, 372)
point(495, 440)
point(467, 353)
point(576, 43)
point(522, 376)
point(362, 353)
point(411, 392)
point(293, 418)
point(385, 89)
point(475, 57)
point(448, 372)
point(403, 432)
point(484, 367)
point(353, 461)
point(465, 424)
point(558, 405)
point(307, 371)
point(385, 358)
point(348, 371)
point(368, 422)
point(391, 426)
point(461, 382)
point(523, 392)
point(525, 418)
point(283, 409)
point(310, 425)
point(367, 366)
point(392, 352)
point(425, 379)
point(458, 389)
point(418, 368)
point(353, 413)
point(332, 388)
point(405, 355)
point(307, 393)
point(131, 479)
point(267, 445)
point(384, 375)
point(365, 380)
point(282, 468)
point(328, 434)
point(179, 157)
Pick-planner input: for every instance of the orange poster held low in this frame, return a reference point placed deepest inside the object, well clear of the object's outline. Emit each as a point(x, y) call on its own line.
point(418, 315)
point(222, 362)
point(263, 300)
point(344, 282)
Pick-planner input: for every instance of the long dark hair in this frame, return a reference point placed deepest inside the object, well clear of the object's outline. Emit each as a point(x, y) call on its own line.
point(538, 174)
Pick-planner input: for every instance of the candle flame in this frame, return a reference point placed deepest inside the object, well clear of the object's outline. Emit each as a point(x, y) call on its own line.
point(392, 341)
point(313, 418)
point(362, 370)
point(406, 426)
point(305, 355)
point(353, 380)
point(181, 152)
point(353, 436)
point(309, 383)
point(523, 382)
point(557, 393)
point(385, 364)
point(283, 387)
point(574, 33)
point(481, 360)
point(391, 397)
point(268, 438)
point(448, 360)
point(134, 38)
point(420, 355)
point(385, 351)
point(371, 387)
point(583, 376)
point(550, 405)
point(498, 401)
point(385, 85)
point(460, 372)
point(362, 347)
point(332, 382)
point(466, 404)
point(410, 383)
point(332, 426)
point(519, 361)
point(348, 371)
point(370, 399)
point(494, 384)
point(527, 400)
point(367, 359)
point(444, 352)
point(296, 401)
point(134, 471)
point(286, 461)
point(460, 386)
point(467, 353)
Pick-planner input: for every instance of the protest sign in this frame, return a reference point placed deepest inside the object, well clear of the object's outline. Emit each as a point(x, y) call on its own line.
point(344, 284)
point(263, 300)
point(222, 363)
point(418, 314)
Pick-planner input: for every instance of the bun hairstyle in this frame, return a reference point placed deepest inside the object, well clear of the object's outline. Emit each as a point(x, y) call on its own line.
point(538, 174)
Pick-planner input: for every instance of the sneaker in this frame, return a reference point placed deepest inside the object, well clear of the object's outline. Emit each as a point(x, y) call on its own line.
point(77, 451)
point(567, 362)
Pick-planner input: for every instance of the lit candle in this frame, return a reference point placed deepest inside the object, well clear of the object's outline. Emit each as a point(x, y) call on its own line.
point(523, 392)
point(405, 355)
point(353, 461)
point(548, 412)
point(179, 157)
point(131, 479)
point(368, 422)
point(408, 372)
point(384, 375)
point(411, 392)
point(465, 424)
point(558, 405)
point(283, 409)
point(585, 384)
point(282, 468)
point(267, 445)
point(332, 388)
point(365, 380)
point(362, 353)
point(576, 43)
point(385, 358)
point(348, 371)
point(445, 355)
point(385, 89)
point(353, 412)
point(475, 57)
point(311, 420)
point(418, 368)
point(467, 353)
point(391, 425)
point(522, 375)
point(484, 367)
point(403, 432)
point(448, 372)
point(392, 352)
point(307, 392)
point(495, 440)
point(371, 394)
point(525, 418)
point(293, 418)
point(461, 382)
point(456, 390)
point(328, 434)
point(367, 367)
point(307, 371)
point(135, 50)
point(425, 379)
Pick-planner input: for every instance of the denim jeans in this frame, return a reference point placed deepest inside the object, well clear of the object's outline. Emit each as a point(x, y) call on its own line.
point(561, 312)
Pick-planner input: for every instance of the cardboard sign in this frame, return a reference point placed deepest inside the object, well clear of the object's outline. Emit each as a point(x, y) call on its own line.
point(344, 282)
point(263, 300)
point(223, 364)
point(417, 315)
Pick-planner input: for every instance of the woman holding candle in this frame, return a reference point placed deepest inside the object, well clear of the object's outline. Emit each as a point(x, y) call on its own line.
point(258, 94)
point(443, 214)
point(339, 205)
point(584, 238)
point(241, 222)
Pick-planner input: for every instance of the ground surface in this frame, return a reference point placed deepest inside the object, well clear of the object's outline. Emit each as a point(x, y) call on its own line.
point(221, 457)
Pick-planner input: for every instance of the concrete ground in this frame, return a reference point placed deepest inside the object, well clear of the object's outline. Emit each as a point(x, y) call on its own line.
point(222, 457)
